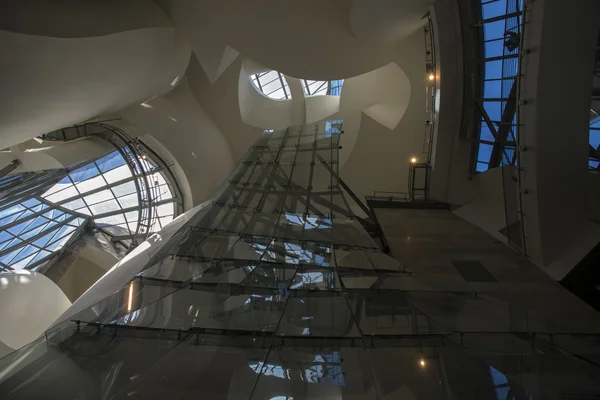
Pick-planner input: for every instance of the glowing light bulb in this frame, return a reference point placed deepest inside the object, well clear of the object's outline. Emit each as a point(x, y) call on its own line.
point(431, 77)
point(422, 363)
point(413, 160)
point(130, 299)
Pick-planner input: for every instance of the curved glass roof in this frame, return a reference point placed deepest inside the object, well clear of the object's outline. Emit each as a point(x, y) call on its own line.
point(272, 84)
point(32, 231)
point(105, 191)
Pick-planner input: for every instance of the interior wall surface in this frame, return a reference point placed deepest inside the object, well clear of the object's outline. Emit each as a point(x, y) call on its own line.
point(49, 83)
point(427, 241)
point(253, 28)
point(77, 19)
point(557, 190)
point(555, 132)
point(186, 130)
point(221, 102)
point(379, 158)
point(451, 155)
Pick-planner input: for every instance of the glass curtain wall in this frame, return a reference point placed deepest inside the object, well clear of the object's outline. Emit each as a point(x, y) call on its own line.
point(274, 290)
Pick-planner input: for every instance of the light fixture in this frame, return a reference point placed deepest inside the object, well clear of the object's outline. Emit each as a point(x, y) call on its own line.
point(422, 362)
point(413, 160)
point(143, 156)
point(130, 300)
point(431, 77)
point(174, 81)
point(145, 105)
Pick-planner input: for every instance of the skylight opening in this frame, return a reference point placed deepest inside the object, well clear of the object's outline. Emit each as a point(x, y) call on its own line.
point(317, 88)
point(272, 84)
point(105, 191)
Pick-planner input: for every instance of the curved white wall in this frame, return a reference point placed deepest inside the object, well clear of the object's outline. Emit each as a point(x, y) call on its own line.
point(31, 302)
point(75, 18)
point(52, 154)
point(387, 21)
point(262, 112)
point(183, 127)
point(49, 83)
point(387, 87)
point(321, 107)
point(284, 35)
point(374, 157)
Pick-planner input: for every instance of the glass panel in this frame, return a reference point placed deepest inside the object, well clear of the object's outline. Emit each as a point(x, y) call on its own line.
point(226, 272)
point(176, 270)
point(389, 313)
point(316, 373)
point(277, 276)
point(352, 259)
point(463, 312)
point(184, 309)
point(384, 262)
point(315, 279)
point(208, 367)
point(110, 161)
point(317, 316)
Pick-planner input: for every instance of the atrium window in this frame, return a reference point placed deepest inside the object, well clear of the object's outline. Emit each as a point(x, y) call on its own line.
point(32, 231)
point(272, 84)
point(502, 29)
point(108, 192)
point(315, 88)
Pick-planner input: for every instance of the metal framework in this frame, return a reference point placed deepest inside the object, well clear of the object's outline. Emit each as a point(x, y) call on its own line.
point(146, 170)
point(315, 88)
point(272, 84)
point(496, 110)
point(128, 194)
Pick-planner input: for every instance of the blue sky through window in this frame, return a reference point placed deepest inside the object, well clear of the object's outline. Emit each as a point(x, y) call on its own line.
point(499, 74)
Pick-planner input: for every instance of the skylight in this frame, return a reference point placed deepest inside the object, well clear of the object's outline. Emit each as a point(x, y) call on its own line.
point(31, 231)
point(316, 88)
point(272, 84)
point(105, 191)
